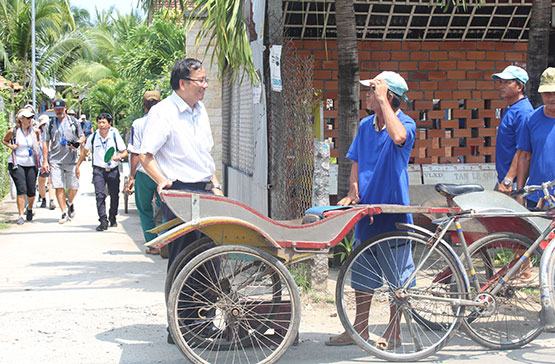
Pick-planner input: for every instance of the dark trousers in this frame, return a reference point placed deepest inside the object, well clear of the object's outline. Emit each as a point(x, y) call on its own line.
point(25, 179)
point(101, 179)
point(199, 280)
point(179, 244)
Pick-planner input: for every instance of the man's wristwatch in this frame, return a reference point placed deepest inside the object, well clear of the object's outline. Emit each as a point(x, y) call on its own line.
point(507, 182)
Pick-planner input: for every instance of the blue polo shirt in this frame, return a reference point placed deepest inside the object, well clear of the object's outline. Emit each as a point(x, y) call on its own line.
point(507, 135)
point(382, 173)
point(538, 137)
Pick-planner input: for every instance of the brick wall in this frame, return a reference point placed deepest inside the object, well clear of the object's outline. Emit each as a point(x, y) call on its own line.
point(453, 98)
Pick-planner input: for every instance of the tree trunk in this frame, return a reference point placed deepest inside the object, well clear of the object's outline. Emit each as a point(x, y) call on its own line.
point(538, 47)
point(349, 90)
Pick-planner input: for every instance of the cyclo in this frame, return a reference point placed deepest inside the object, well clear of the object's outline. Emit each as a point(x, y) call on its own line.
point(230, 297)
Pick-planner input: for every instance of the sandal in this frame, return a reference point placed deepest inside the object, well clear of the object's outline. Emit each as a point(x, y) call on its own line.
point(383, 344)
point(340, 340)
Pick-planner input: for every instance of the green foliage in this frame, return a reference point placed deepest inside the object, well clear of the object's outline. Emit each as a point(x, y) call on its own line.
point(301, 276)
point(4, 177)
point(223, 25)
point(345, 247)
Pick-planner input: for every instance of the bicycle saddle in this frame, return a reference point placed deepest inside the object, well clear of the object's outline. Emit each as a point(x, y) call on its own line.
point(451, 190)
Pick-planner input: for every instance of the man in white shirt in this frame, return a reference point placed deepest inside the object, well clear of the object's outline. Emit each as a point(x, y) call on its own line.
point(105, 170)
point(139, 181)
point(175, 150)
point(177, 140)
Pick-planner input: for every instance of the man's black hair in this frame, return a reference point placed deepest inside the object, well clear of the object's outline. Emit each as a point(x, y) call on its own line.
point(148, 104)
point(105, 115)
point(182, 71)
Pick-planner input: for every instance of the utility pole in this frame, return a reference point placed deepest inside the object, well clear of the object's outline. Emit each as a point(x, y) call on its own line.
point(33, 57)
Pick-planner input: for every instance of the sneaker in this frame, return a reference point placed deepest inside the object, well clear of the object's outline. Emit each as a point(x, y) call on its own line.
point(63, 219)
point(71, 210)
point(103, 226)
point(29, 215)
point(20, 221)
point(52, 206)
point(43, 203)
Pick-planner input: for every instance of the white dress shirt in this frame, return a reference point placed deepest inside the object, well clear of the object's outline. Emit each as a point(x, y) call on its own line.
point(180, 139)
point(135, 139)
point(101, 145)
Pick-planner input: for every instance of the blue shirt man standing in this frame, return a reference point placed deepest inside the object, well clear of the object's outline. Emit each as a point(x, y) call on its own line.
point(510, 83)
point(537, 141)
point(380, 153)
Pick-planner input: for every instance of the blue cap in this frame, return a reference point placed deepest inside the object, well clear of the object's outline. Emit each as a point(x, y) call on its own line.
point(395, 83)
point(512, 73)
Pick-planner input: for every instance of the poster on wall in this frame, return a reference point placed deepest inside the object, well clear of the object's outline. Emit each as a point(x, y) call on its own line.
point(275, 67)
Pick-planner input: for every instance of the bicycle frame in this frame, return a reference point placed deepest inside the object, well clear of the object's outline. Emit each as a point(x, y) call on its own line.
point(443, 226)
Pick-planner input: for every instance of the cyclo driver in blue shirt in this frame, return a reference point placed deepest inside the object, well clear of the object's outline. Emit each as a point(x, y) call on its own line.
point(380, 153)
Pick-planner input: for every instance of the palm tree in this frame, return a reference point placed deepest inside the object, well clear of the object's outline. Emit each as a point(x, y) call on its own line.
point(538, 46)
point(58, 43)
point(348, 96)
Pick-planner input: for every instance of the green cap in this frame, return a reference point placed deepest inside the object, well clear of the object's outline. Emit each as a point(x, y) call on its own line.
point(547, 81)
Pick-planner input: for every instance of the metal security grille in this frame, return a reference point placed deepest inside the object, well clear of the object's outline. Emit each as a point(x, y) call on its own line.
point(238, 128)
point(412, 20)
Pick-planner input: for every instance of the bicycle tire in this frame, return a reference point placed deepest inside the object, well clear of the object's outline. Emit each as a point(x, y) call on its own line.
point(241, 301)
point(514, 320)
point(417, 340)
point(551, 277)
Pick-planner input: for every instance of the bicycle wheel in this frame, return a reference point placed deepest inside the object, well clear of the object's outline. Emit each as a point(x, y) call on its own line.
point(551, 277)
point(513, 317)
point(234, 304)
point(373, 275)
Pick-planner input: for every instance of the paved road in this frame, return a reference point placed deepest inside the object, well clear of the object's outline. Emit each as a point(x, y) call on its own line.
point(69, 294)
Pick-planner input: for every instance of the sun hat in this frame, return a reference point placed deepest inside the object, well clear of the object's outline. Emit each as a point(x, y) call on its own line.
point(43, 119)
point(152, 95)
point(395, 83)
point(547, 80)
point(512, 73)
point(25, 112)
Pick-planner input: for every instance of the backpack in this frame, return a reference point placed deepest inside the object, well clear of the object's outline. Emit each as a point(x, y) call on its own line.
point(92, 144)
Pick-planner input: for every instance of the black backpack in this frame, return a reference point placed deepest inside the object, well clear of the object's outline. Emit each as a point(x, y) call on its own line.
point(73, 123)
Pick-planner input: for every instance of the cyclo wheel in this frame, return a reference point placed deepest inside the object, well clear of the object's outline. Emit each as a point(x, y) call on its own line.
point(234, 304)
point(512, 320)
point(551, 277)
point(422, 298)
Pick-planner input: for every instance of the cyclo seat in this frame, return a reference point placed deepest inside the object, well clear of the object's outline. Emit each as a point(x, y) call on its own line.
point(452, 190)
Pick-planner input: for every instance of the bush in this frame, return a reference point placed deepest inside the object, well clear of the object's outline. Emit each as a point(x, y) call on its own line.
point(4, 177)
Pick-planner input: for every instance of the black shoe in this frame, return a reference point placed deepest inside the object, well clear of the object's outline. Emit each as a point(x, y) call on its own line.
point(71, 211)
point(103, 226)
point(43, 203)
point(205, 330)
point(29, 215)
point(113, 223)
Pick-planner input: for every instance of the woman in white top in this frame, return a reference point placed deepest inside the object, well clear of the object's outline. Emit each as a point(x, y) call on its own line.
point(23, 162)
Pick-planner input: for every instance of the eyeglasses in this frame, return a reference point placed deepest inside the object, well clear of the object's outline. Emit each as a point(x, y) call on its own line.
point(199, 80)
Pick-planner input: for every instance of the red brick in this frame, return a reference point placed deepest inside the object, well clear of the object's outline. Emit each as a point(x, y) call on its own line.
point(461, 133)
point(444, 94)
point(322, 75)
point(466, 65)
point(476, 55)
point(461, 94)
point(329, 64)
point(457, 55)
point(429, 85)
point(437, 75)
point(495, 56)
point(476, 75)
point(389, 66)
point(430, 66)
point(418, 76)
point(456, 75)
point(400, 56)
point(412, 45)
point(393, 45)
point(485, 65)
point(447, 65)
point(467, 85)
point(450, 124)
point(474, 159)
point(431, 46)
point(408, 66)
point(419, 56)
point(381, 56)
point(438, 56)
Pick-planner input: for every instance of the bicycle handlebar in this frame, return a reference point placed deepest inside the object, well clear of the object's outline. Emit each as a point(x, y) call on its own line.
point(526, 190)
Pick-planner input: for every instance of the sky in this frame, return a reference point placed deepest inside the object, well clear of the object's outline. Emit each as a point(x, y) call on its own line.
point(123, 6)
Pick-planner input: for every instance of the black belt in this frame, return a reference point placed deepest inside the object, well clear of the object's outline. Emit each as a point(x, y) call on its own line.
point(105, 169)
point(202, 186)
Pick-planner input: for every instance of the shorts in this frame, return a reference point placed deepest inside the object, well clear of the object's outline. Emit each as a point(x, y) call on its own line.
point(24, 178)
point(388, 263)
point(63, 176)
